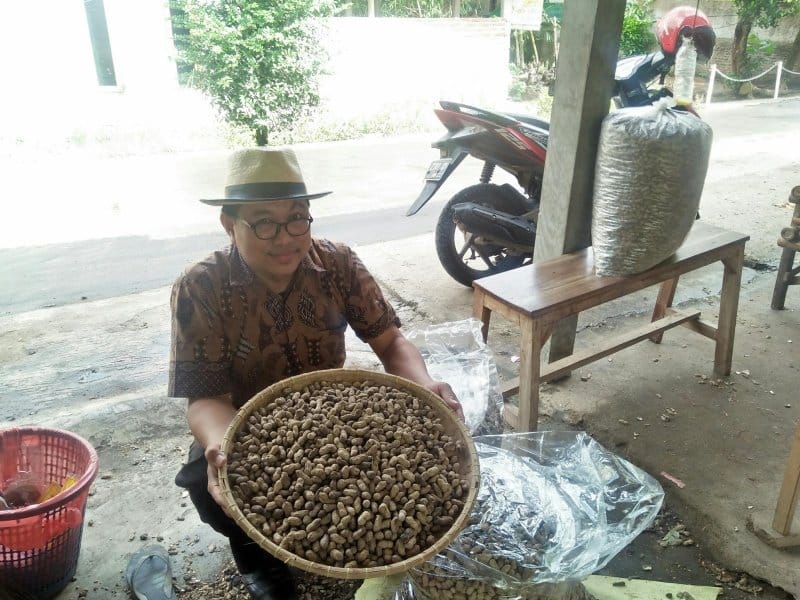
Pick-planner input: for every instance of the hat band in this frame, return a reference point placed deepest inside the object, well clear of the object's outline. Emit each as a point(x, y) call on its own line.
point(254, 191)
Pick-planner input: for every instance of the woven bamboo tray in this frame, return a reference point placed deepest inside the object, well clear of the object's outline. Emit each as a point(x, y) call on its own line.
point(467, 458)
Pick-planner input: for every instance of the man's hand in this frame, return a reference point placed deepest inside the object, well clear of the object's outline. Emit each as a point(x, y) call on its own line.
point(216, 460)
point(209, 419)
point(401, 357)
point(446, 393)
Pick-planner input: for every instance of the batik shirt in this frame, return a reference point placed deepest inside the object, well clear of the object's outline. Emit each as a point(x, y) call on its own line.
point(231, 334)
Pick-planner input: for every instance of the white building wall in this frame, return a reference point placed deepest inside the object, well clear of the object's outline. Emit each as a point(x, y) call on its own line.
point(49, 79)
point(141, 43)
point(45, 46)
point(384, 62)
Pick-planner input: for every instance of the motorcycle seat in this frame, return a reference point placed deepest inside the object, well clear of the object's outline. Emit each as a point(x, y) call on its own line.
point(535, 121)
point(642, 68)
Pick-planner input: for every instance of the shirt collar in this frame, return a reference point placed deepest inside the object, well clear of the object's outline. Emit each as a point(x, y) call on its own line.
point(241, 274)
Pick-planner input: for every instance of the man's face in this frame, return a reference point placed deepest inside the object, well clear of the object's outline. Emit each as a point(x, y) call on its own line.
point(274, 260)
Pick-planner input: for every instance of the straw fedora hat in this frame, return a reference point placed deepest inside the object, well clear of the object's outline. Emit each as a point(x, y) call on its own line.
point(262, 174)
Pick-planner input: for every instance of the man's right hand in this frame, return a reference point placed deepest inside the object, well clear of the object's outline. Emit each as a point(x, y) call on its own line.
point(216, 460)
point(209, 419)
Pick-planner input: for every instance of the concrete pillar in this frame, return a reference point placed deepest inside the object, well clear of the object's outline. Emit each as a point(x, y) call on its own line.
point(584, 81)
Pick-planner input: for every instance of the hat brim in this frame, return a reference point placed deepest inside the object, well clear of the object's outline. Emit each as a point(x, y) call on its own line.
point(238, 201)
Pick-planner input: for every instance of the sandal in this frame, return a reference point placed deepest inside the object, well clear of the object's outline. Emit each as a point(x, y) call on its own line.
point(149, 574)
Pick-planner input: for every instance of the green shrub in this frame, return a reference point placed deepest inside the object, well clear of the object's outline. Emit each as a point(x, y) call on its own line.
point(637, 30)
point(258, 60)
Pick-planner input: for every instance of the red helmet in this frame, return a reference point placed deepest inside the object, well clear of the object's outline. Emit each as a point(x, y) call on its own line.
point(686, 21)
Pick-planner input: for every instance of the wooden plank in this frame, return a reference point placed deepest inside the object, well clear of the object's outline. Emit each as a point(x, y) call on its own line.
point(790, 489)
point(771, 538)
point(511, 416)
point(557, 369)
point(500, 306)
point(481, 312)
point(666, 295)
point(700, 326)
point(788, 245)
point(728, 307)
point(510, 387)
point(530, 363)
point(567, 285)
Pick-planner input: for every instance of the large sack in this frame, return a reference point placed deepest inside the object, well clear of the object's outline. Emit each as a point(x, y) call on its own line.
point(651, 166)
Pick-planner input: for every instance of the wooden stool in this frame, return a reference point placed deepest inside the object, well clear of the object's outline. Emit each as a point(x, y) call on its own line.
point(537, 296)
point(790, 242)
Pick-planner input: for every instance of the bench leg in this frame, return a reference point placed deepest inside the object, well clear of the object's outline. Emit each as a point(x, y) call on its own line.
point(790, 489)
point(533, 337)
point(480, 312)
point(728, 307)
point(666, 294)
point(782, 278)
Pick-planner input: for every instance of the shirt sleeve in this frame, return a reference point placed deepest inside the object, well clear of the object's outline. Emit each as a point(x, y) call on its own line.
point(366, 310)
point(200, 358)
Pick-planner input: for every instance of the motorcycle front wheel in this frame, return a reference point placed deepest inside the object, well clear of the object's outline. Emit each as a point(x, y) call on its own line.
point(464, 259)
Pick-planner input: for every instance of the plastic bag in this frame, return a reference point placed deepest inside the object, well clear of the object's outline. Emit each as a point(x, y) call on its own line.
point(649, 176)
point(553, 508)
point(455, 353)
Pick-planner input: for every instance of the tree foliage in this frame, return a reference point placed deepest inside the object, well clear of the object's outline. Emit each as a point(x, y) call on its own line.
point(765, 13)
point(415, 8)
point(637, 29)
point(258, 60)
point(759, 13)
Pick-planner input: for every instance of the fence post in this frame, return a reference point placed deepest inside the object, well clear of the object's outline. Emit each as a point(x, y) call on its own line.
point(778, 79)
point(711, 78)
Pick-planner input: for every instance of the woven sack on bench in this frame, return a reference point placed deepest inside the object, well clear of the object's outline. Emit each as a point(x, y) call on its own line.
point(649, 175)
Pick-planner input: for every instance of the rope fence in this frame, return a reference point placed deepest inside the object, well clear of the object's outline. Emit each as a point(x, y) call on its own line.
point(714, 71)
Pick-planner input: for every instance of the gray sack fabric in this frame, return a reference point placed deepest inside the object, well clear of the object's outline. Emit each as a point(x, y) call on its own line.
point(651, 166)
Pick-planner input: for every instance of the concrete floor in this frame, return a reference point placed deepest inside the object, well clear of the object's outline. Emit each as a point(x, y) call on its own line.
point(98, 367)
point(660, 407)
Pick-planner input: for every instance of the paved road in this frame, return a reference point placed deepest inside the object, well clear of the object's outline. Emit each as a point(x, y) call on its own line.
point(105, 228)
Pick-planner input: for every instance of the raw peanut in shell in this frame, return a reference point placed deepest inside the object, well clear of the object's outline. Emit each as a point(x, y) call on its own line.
point(503, 579)
point(348, 474)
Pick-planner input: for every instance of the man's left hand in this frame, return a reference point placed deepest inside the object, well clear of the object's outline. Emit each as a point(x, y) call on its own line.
point(446, 393)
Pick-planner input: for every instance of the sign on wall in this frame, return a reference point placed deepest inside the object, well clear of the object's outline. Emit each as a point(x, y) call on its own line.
point(523, 14)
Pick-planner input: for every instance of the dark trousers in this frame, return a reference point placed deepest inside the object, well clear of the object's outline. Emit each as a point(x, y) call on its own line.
point(193, 476)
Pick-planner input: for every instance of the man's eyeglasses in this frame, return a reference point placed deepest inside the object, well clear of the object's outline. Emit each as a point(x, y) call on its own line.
point(266, 229)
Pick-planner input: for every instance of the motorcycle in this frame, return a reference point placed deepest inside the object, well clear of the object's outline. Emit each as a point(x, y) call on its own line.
point(498, 222)
point(488, 228)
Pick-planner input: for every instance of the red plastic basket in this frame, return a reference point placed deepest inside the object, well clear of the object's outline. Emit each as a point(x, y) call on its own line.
point(40, 543)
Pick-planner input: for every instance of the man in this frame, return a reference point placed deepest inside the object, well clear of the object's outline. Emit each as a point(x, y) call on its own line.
point(274, 304)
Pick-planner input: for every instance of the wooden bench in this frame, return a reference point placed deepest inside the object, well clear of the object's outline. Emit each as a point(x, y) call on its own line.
point(537, 296)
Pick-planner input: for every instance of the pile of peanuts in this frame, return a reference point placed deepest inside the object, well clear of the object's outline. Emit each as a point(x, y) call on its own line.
point(348, 475)
point(493, 574)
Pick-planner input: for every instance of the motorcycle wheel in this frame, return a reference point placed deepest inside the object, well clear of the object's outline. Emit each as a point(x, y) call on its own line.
point(463, 259)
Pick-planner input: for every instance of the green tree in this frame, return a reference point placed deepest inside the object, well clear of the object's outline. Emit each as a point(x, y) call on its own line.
point(794, 56)
point(258, 60)
point(761, 13)
point(637, 29)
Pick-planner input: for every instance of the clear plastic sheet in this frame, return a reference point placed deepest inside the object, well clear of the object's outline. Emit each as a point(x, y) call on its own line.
point(553, 508)
point(649, 176)
point(454, 352)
